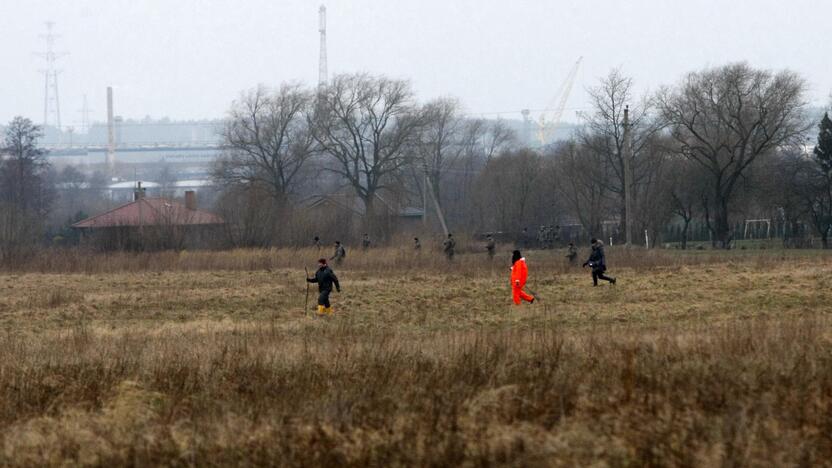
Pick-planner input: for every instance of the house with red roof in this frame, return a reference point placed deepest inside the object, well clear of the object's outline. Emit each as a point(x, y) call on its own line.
point(152, 224)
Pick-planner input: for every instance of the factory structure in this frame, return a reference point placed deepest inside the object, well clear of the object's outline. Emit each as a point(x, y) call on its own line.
point(128, 151)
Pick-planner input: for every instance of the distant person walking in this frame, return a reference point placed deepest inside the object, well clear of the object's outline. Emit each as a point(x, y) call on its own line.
point(365, 242)
point(325, 278)
point(417, 246)
point(490, 246)
point(598, 263)
point(340, 253)
point(519, 276)
point(524, 238)
point(448, 247)
point(571, 253)
point(316, 242)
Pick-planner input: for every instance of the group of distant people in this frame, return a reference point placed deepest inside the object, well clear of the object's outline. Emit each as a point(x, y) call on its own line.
point(326, 278)
point(448, 247)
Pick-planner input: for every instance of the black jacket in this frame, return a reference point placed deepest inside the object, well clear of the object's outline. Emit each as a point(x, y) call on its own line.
point(325, 278)
point(596, 258)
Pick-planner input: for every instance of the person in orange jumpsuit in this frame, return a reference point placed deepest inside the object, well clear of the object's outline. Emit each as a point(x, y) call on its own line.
point(519, 275)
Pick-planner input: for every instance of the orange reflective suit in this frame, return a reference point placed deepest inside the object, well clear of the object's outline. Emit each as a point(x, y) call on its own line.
point(519, 275)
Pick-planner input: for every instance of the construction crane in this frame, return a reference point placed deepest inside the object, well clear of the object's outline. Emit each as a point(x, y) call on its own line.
point(551, 115)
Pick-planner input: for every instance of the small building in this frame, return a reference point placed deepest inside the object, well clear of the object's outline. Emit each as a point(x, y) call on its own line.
point(125, 191)
point(152, 223)
point(181, 186)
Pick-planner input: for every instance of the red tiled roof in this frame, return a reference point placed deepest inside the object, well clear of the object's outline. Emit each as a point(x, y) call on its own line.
point(150, 212)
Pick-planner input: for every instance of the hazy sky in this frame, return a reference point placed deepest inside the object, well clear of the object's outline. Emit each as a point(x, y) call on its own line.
point(190, 58)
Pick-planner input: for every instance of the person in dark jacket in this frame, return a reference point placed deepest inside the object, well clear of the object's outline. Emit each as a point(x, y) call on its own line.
point(571, 253)
point(490, 246)
point(325, 278)
point(598, 263)
point(365, 242)
point(448, 246)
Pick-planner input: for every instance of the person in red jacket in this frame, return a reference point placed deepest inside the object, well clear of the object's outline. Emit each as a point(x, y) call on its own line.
point(519, 275)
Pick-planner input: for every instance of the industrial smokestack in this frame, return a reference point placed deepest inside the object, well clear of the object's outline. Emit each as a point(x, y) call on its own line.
point(190, 200)
point(118, 125)
point(138, 193)
point(111, 131)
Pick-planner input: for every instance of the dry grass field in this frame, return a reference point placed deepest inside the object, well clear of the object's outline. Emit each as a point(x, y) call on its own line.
point(209, 359)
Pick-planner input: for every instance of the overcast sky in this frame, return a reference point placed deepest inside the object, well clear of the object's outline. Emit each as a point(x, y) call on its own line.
point(188, 59)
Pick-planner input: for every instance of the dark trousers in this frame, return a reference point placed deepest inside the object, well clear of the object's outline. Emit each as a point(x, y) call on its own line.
point(323, 298)
point(599, 274)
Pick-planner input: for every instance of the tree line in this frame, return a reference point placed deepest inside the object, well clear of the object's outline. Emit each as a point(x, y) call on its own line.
point(721, 145)
point(713, 147)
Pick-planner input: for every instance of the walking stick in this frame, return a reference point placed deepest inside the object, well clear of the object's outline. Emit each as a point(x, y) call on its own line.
point(306, 301)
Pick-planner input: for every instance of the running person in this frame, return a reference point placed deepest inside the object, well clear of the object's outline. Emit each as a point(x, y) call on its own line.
point(519, 276)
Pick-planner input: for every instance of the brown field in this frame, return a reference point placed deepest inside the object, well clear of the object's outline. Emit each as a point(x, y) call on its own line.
point(202, 359)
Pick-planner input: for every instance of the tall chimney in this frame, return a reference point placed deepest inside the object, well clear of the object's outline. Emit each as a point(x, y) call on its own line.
point(190, 200)
point(118, 123)
point(111, 131)
point(139, 192)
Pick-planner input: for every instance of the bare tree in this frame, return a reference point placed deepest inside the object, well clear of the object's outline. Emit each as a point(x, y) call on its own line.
point(369, 126)
point(498, 137)
point(785, 182)
point(250, 216)
point(604, 134)
point(445, 137)
point(71, 187)
point(506, 189)
point(685, 186)
point(25, 195)
point(268, 140)
point(23, 167)
point(580, 175)
point(810, 179)
point(725, 118)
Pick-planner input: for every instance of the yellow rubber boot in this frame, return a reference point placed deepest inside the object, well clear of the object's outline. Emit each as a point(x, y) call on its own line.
point(329, 310)
point(321, 310)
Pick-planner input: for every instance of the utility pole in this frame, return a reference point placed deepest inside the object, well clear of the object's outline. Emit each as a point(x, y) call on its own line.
point(627, 155)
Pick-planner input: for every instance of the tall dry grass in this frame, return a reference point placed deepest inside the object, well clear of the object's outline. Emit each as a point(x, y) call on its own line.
point(209, 359)
point(738, 394)
point(471, 258)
